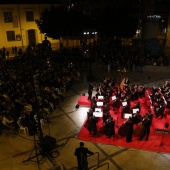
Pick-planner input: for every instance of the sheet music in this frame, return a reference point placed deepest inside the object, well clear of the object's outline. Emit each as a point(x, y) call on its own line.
point(124, 103)
point(113, 97)
point(127, 115)
point(100, 97)
point(135, 110)
point(98, 109)
point(99, 103)
point(98, 114)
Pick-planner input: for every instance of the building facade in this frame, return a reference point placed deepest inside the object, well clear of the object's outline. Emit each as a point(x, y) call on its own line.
point(18, 27)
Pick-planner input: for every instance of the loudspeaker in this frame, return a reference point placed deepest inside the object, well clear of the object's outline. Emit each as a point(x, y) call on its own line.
point(77, 106)
point(49, 143)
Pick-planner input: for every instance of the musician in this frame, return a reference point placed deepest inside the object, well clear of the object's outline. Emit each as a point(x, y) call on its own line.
point(137, 106)
point(137, 118)
point(92, 127)
point(125, 109)
point(109, 127)
point(146, 128)
point(106, 115)
point(93, 103)
point(150, 115)
point(116, 104)
point(135, 95)
point(129, 125)
point(90, 90)
point(142, 91)
point(126, 83)
point(118, 92)
point(160, 111)
point(105, 107)
point(90, 113)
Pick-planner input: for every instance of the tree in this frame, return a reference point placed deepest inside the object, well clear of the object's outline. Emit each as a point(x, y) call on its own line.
point(108, 19)
point(60, 22)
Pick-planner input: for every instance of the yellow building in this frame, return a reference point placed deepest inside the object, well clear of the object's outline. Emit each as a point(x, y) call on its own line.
point(18, 27)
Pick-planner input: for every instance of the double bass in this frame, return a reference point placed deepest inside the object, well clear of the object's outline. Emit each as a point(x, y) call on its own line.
point(139, 128)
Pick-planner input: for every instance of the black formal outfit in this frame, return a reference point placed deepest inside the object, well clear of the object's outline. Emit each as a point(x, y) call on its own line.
point(92, 125)
point(81, 154)
point(137, 118)
point(160, 111)
point(129, 126)
point(109, 128)
point(125, 109)
point(146, 129)
point(90, 90)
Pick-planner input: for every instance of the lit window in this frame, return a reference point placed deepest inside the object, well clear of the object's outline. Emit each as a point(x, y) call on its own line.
point(10, 35)
point(29, 16)
point(8, 16)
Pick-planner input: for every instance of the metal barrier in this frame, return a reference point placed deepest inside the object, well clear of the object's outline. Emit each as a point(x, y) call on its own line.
point(93, 160)
point(102, 166)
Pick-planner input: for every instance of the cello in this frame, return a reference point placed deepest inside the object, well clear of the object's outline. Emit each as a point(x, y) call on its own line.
point(122, 131)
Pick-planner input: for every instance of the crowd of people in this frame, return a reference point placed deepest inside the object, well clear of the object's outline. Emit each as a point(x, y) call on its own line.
point(35, 77)
point(32, 84)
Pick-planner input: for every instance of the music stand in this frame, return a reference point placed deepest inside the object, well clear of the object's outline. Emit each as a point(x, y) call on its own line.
point(163, 134)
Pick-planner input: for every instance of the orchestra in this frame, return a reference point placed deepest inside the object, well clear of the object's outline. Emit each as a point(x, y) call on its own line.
point(109, 97)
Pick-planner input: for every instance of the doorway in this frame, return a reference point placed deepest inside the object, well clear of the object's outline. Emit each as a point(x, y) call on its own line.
point(31, 37)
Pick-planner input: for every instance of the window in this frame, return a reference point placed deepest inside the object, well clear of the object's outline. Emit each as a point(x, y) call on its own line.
point(29, 16)
point(8, 16)
point(10, 35)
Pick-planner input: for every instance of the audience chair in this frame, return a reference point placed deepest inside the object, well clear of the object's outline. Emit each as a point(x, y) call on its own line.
point(41, 121)
point(21, 128)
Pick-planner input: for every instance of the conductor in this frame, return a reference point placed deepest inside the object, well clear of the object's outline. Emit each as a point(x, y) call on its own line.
point(81, 153)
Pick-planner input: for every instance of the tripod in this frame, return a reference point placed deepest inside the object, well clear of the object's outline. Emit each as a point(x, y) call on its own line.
point(39, 151)
point(30, 158)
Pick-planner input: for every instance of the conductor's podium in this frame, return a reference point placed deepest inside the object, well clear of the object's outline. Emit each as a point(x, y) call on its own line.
point(83, 101)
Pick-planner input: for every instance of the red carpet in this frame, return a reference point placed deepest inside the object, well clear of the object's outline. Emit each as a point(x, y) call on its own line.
point(155, 138)
point(83, 101)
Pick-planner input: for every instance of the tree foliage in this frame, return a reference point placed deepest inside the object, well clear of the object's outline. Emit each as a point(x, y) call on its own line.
point(60, 22)
point(111, 21)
